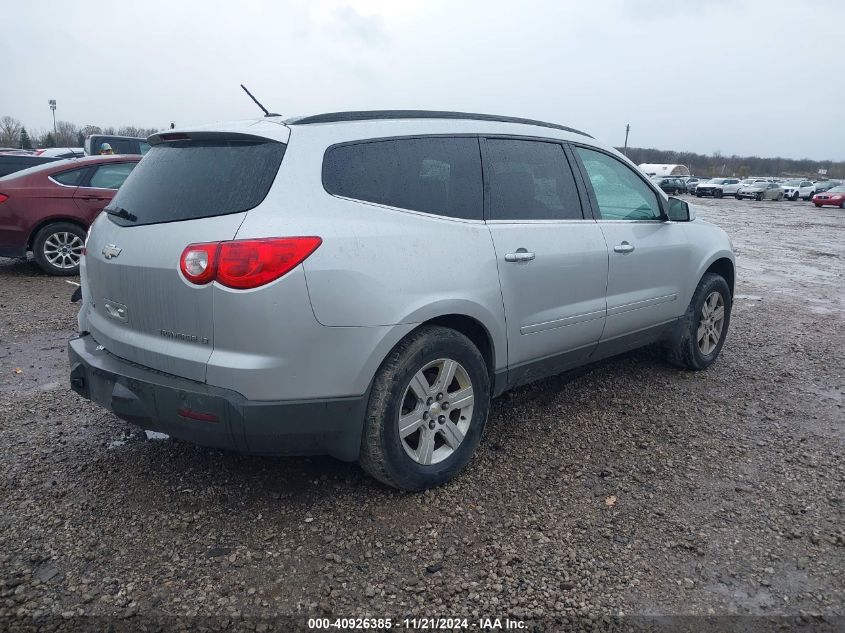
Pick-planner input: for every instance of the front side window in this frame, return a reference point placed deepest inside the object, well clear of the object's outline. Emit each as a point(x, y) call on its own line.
point(530, 180)
point(111, 176)
point(439, 175)
point(620, 193)
point(144, 147)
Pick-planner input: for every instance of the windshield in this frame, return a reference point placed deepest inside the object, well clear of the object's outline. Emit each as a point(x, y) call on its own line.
point(186, 180)
point(792, 183)
point(837, 189)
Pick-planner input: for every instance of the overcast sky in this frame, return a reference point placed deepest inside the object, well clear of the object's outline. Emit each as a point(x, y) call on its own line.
point(740, 77)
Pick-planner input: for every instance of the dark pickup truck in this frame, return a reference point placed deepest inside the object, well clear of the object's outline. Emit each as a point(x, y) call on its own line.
point(119, 144)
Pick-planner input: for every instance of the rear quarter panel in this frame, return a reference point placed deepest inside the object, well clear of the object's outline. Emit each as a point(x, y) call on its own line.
point(378, 266)
point(31, 204)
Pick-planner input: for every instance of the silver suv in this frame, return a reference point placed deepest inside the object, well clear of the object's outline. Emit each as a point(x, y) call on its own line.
point(361, 284)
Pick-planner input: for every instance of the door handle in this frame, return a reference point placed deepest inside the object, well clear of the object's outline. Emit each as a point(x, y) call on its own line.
point(93, 198)
point(521, 255)
point(624, 247)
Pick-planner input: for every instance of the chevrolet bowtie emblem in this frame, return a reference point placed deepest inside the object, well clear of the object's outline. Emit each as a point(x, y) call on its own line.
point(110, 251)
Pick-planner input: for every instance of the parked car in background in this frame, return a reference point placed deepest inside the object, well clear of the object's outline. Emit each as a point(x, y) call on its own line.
point(672, 186)
point(11, 162)
point(691, 183)
point(798, 188)
point(834, 197)
point(258, 256)
point(826, 185)
point(61, 152)
point(762, 190)
point(118, 144)
point(47, 209)
point(718, 187)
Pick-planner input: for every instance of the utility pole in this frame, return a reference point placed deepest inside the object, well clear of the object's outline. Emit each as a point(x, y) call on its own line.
point(627, 129)
point(52, 103)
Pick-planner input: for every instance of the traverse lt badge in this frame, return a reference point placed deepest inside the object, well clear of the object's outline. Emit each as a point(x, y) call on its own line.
point(110, 251)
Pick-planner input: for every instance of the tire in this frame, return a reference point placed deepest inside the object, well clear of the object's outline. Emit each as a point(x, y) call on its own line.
point(795, 197)
point(384, 453)
point(697, 195)
point(58, 248)
point(737, 196)
point(686, 351)
point(818, 206)
point(717, 193)
point(841, 206)
point(759, 197)
point(780, 197)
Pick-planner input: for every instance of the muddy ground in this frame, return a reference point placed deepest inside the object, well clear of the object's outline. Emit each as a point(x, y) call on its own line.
point(628, 487)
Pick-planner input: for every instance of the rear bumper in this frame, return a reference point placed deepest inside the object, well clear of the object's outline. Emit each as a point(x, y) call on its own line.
point(211, 416)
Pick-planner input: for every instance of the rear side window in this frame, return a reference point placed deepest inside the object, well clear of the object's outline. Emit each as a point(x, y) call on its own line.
point(438, 175)
point(111, 176)
point(530, 180)
point(70, 178)
point(186, 180)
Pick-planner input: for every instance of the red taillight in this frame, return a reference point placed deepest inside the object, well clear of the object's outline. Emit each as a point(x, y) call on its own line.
point(3, 197)
point(244, 264)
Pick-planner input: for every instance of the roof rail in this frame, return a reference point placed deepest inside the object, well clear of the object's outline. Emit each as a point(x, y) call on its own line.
point(372, 115)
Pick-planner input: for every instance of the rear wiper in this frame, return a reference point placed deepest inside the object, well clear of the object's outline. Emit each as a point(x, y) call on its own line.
point(120, 212)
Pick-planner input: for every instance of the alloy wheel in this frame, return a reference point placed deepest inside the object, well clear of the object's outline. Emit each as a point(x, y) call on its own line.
point(712, 323)
point(63, 250)
point(436, 411)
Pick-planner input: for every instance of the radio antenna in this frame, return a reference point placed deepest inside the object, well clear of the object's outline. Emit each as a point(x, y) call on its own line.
point(258, 103)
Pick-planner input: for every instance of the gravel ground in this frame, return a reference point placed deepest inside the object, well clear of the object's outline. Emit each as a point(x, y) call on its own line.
point(627, 487)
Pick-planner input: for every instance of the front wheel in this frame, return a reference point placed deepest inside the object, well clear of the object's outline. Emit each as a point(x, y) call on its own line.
point(795, 196)
point(717, 193)
point(780, 197)
point(759, 197)
point(705, 324)
point(427, 410)
point(58, 248)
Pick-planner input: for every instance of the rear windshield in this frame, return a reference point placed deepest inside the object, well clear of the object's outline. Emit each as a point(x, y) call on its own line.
point(187, 180)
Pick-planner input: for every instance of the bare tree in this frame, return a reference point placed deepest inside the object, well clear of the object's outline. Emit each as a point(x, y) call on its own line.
point(10, 131)
point(66, 134)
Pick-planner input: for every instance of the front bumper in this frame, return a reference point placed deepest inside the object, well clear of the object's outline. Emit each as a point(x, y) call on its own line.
point(212, 416)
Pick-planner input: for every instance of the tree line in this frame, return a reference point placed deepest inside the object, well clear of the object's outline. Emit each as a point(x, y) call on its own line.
point(739, 166)
point(13, 133)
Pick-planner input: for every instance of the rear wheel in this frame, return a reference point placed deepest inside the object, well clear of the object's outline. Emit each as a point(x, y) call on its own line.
point(705, 325)
point(427, 410)
point(58, 248)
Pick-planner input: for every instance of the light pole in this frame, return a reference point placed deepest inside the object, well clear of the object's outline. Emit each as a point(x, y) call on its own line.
point(52, 103)
point(627, 129)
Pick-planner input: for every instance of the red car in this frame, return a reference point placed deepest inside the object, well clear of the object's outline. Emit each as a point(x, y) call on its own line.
point(47, 209)
point(834, 197)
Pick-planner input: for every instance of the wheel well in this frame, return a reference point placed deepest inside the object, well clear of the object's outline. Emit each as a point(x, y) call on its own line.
point(40, 226)
point(474, 331)
point(725, 268)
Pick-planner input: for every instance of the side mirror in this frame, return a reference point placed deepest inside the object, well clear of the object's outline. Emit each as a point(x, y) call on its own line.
point(678, 210)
